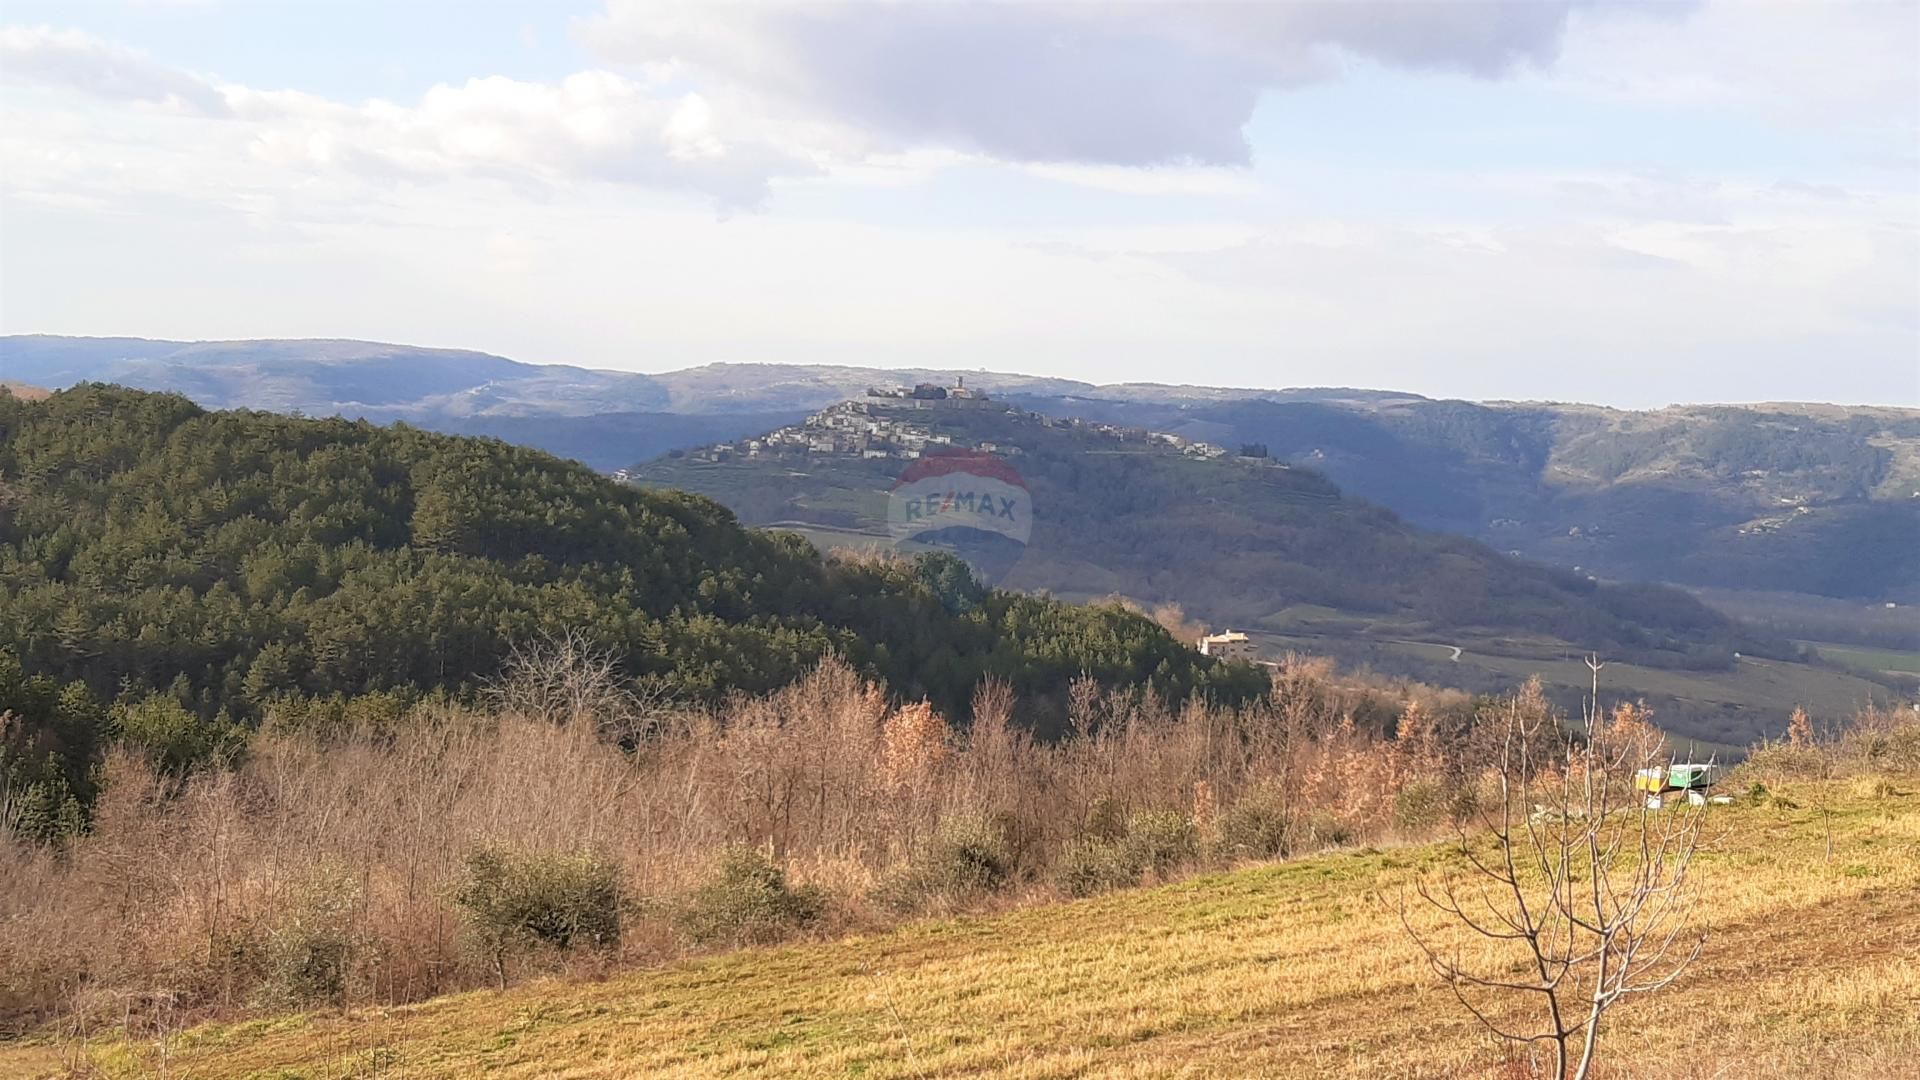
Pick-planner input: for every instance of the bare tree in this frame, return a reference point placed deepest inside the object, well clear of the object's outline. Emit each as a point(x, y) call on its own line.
point(1592, 705)
point(566, 678)
point(1581, 898)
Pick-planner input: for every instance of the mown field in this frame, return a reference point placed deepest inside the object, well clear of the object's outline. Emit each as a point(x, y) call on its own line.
point(1753, 684)
point(1812, 969)
point(1867, 658)
point(1720, 712)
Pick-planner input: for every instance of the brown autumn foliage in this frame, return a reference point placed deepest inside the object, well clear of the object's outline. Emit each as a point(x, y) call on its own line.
point(326, 864)
point(329, 867)
point(1878, 740)
point(1800, 730)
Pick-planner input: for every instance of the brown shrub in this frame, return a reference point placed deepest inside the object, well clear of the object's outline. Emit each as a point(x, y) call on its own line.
point(325, 865)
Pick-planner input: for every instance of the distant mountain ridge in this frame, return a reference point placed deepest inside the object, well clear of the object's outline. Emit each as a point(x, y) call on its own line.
point(324, 376)
point(1801, 498)
point(1814, 499)
point(606, 419)
point(330, 376)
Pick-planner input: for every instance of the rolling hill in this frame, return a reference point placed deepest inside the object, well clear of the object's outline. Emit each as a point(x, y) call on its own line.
point(1235, 540)
point(23, 391)
point(232, 558)
point(1794, 500)
point(378, 381)
point(606, 419)
point(329, 377)
point(1277, 550)
point(1810, 499)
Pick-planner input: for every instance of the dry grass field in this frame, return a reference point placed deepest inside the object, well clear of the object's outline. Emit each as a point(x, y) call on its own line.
point(1812, 968)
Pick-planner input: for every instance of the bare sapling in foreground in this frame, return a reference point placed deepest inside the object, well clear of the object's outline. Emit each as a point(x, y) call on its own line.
point(1577, 890)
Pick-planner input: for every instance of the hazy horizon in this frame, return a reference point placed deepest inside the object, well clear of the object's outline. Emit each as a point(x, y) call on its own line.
point(1616, 203)
point(962, 370)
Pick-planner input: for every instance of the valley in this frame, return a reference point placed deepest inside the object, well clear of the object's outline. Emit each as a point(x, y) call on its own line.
point(1305, 539)
point(1807, 501)
point(1273, 548)
point(1759, 497)
point(1755, 497)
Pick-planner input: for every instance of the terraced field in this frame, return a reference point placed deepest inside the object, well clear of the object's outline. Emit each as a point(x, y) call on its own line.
point(1812, 969)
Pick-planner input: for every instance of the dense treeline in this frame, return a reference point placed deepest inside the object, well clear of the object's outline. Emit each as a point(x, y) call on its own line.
point(51, 742)
point(230, 559)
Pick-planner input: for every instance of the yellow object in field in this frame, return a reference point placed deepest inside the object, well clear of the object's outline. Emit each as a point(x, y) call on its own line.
point(1651, 781)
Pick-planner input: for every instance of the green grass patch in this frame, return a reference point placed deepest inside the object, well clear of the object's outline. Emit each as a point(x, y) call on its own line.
point(1865, 658)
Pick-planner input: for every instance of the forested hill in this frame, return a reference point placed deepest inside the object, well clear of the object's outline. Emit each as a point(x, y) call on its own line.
point(236, 556)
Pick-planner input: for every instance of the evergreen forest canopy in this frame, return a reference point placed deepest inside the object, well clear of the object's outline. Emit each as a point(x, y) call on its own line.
point(231, 559)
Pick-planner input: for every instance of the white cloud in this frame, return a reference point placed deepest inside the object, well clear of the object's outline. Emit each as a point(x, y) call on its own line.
point(508, 214)
point(592, 126)
point(1156, 82)
point(1081, 93)
point(1138, 83)
point(1165, 180)
point(73, 60)
point(1781, 296)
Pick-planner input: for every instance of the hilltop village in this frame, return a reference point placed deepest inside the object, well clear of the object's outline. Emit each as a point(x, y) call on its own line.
point(905, 423)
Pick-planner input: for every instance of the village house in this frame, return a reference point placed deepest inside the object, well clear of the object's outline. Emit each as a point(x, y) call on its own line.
point(1227, 645)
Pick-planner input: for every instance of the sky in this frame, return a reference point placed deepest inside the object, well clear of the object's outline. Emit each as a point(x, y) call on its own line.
point(1629, 202)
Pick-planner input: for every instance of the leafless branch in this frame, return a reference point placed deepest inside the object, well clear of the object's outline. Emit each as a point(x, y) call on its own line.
point(1587, 890)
